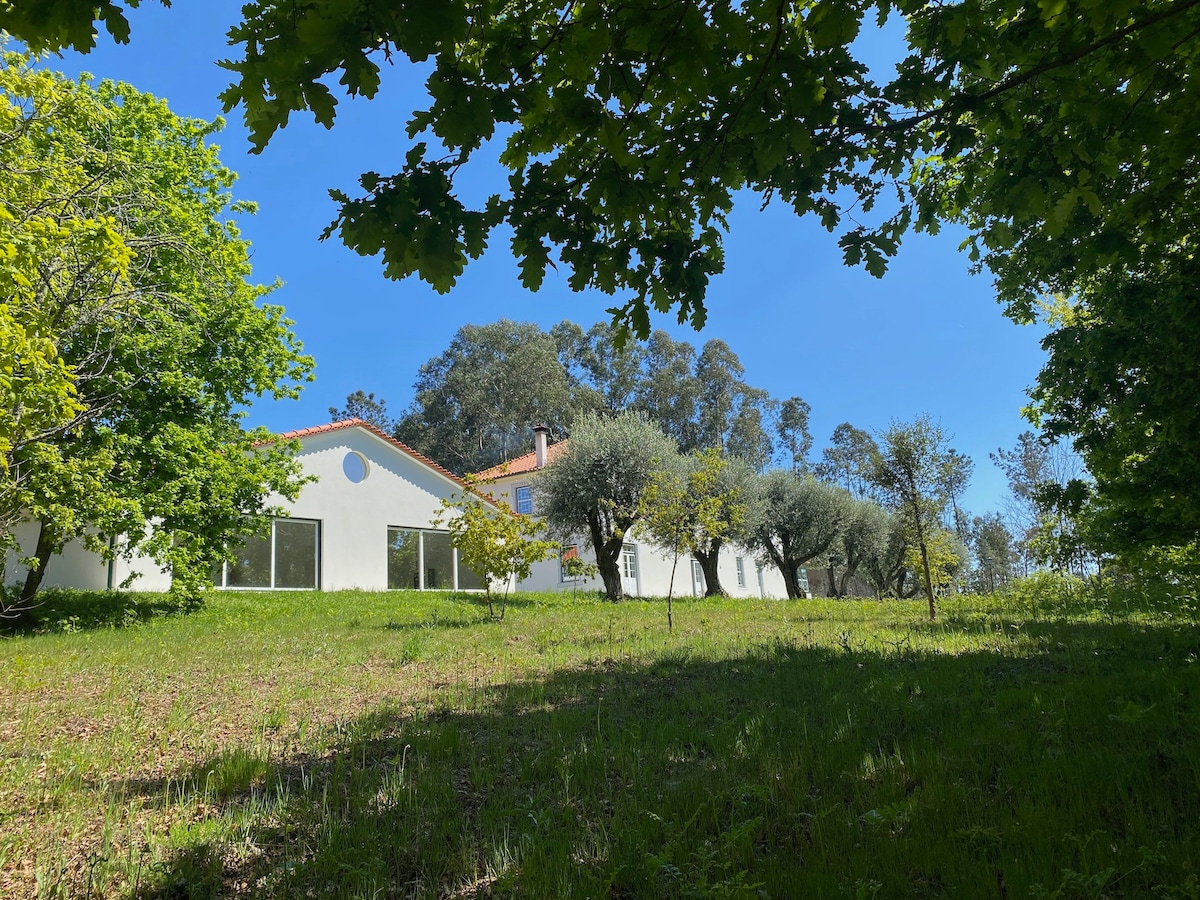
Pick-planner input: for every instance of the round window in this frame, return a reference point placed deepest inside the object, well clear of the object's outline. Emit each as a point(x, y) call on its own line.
point(356, 467)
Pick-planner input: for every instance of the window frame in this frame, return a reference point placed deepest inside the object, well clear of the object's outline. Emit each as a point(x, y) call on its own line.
point(523, 497)
point(629, 561)
point(741, 571)
point(317, 524)
point(421, 532)
point(563, 576)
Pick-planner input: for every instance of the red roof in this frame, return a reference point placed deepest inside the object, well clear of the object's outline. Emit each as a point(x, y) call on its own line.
point(522, 464)
point(351, 423)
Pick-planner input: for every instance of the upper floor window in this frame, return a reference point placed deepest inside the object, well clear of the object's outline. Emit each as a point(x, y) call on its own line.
point(524, 501)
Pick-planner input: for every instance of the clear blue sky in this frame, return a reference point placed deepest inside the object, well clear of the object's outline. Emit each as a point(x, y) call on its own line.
point(928, 337)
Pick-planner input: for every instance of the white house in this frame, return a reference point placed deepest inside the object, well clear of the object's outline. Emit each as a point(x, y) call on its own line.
point(364, 523)
point(645, 567)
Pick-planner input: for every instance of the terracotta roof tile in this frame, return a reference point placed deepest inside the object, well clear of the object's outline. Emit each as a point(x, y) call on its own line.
point(522, 464)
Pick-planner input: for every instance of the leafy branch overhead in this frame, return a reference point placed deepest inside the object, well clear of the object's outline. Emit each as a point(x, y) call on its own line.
point(1061, 134)
point(628, 128)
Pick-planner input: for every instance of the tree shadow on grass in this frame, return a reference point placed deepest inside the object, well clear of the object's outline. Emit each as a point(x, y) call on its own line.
point(68, 610)
point(790, 770)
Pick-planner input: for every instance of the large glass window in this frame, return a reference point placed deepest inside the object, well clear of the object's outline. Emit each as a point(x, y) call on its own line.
point(404, 559)
point(251, 566)
point(524, 501)
point(439, 561)
point(287, 558)
point(468, 578)
point(426, 560)
point(295, 554)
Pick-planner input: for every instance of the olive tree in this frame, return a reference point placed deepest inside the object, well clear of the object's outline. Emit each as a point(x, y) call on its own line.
point(596, 487)
point(793, 519)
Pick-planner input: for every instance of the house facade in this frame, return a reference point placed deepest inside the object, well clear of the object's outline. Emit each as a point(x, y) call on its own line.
point(365, 522)
point(646, 569)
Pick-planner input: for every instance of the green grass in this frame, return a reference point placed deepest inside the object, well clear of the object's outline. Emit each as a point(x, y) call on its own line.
point(396, 745)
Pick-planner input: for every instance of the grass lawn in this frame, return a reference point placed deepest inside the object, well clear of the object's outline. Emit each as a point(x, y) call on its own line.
point(396, 745)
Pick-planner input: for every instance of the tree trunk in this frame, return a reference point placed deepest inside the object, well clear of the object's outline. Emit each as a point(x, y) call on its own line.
point(844, 581)
point(831, 589)
point(33, 578)
point(671, 591)
point(712, 580)
point(790, 582)
point(608, 558)
point(928, 576)
point(608, 561)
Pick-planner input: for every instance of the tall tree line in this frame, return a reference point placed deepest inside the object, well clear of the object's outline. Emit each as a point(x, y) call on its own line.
point(476, 401)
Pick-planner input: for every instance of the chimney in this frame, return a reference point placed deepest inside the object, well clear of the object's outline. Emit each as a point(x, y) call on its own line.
point(541, 434)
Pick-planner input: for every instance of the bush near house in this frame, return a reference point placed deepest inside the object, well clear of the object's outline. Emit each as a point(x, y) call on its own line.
point(402, 744)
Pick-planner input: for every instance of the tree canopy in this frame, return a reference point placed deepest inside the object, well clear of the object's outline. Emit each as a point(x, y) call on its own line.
point(596, 487)
point(1062, 134)
point(628, 128)
point(793, 519)
point(916, 471)
point(129, 279)
point(477, 400)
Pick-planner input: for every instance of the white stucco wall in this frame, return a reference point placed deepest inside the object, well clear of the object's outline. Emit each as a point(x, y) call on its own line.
point(75, 567)
point(398, 492)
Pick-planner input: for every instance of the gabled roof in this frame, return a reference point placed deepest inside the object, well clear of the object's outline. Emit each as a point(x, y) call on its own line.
point(367, 426)
point(522, 464)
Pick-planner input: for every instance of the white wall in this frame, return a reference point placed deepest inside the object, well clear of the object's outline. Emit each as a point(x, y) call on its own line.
point(654, 564)
point(75, 567)
point(398, 492)
point(354, 518)
point(654, 573)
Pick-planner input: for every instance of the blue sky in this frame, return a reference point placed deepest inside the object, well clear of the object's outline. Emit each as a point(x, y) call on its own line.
point(928, 337)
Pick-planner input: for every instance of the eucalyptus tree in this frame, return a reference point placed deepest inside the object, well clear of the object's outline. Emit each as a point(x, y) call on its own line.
point(792, 428)
point(849, 460)
point(476, 401)
point(361, 405)
point(668, 391)
point(596, 487)
point(793, 519)
point(139, 300)
point(599, 365)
